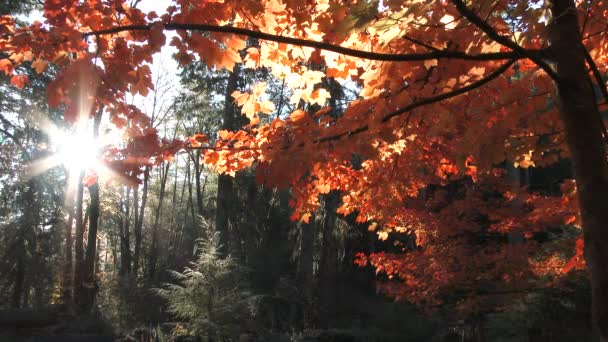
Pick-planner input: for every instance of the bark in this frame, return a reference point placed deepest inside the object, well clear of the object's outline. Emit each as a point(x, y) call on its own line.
point(225, 186)
point(125, 236)
point(139, 221)
point(68, 266)
point(582, 122)
point(197, 178)
point(88, 285)
point(192, 231)
point(153, 256)
point(79, 238)
point(18, 285)
point(328, 262)
point(305, 267)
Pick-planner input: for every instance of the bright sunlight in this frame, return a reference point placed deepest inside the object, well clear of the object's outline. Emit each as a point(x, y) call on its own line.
point(77, 150)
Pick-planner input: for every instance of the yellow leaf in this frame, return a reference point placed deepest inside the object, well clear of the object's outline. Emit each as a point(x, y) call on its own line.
point(448, 21)
point(319, 96)
point(229, 58)
point(239, 98)
point(39, 65)
point(430, 63)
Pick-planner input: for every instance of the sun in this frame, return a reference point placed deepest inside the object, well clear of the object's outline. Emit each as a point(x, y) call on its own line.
point(77, 151)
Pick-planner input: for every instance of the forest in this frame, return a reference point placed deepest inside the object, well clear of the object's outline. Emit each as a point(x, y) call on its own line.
point(303, 170)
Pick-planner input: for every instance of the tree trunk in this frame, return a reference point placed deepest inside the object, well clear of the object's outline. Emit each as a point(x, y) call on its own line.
point(328, 262)
point(225, 186)
point(153, 256)
point(305, 267)
point(582, 121)
point(193, 231)
point(79, 238)
point(88, 285)
point(125, 233)
point(140, 221)
point(67, 285)
point(197, 178)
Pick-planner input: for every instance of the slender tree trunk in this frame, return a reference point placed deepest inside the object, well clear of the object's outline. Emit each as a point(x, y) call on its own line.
point(225, 186)
point(89, 283)
point(192, 231)
point(328, 262)
point(153, 256)
point(197, 177)
point(140, 221)
point(305, 267)
point(125, 233)
point(68, 267)
point(582, 121)
point(18, 285)
point(79, 239)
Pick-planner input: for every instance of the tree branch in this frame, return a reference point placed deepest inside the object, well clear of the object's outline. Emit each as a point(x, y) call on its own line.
point(408, 108)
point(389, 57)
point(425, 101)
point(600, 83)
point(502, 40)
point(596, 74)
point(16, 142)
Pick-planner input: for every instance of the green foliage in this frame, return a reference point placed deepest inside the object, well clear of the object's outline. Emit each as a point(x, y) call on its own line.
point(18, 6)
point(212, 295)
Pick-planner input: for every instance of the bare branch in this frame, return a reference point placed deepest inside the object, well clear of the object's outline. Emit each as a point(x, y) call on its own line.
point(425, 101)
point(435, 54)
point(502, 40)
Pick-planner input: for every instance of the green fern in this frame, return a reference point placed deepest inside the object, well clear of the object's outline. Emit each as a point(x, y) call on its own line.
point(212, 296)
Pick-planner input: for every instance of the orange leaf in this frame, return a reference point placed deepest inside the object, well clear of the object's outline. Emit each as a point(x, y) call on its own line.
point(6, 65)
point(297, 115)
point(89, 180)
point(20, 81)
point(39, 65)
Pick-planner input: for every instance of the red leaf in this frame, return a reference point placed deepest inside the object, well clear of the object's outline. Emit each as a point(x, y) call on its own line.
point(20, 81)
point(89, 180)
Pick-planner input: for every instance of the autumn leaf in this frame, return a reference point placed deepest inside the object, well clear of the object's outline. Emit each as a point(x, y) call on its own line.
point(89, 180)
point(20, 81)
point(6, 66)
point(39, 65)
point(197, 140)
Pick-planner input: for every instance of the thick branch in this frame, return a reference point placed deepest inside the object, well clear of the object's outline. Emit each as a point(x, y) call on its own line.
point(502, 40)
point(425, 101)
point(596, 74)
point(600, 83)
point(436, 54)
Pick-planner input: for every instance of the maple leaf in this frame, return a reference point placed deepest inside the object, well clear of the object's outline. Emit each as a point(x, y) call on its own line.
point(20, 81)
point(6, 65)
point(197, 140)
point(319, 96)
point(89, 180)
point(39, 65)
point(251, 104)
